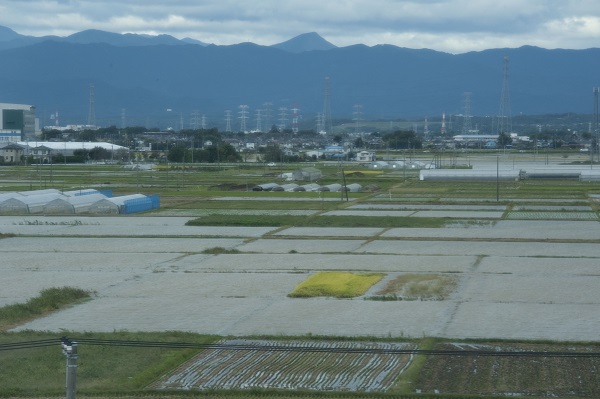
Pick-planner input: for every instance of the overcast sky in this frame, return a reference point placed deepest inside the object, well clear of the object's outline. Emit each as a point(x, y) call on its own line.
point(454, 26)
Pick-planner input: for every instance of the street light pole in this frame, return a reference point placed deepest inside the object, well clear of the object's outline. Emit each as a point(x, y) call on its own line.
point(70, 351)
point(497, 178)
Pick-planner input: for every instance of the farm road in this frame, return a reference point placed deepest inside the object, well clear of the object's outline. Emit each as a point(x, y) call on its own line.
point(511, 282)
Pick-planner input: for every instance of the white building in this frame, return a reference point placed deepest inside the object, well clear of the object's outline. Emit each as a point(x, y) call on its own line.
point(67, 148)
point(18, 119)
point(365, 156)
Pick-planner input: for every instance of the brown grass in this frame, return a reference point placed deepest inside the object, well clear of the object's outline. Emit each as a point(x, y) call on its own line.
point(419, 287)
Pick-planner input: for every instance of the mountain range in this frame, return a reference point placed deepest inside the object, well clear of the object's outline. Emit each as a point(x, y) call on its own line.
point(163, 81)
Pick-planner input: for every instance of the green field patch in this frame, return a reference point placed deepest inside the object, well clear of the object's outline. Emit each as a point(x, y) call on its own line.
point(40, 371)
point(417, 287)
point(529, 215)
point(315, 221)
point(220, 250)
point(49, 300)
point(336, 284)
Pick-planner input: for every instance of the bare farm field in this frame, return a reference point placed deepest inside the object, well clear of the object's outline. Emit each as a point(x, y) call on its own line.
point(456, 276)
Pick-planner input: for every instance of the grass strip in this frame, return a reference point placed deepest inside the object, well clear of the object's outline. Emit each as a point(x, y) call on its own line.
point(49, 300)
point(220, 250)
point(317, 221)
point(102, 371)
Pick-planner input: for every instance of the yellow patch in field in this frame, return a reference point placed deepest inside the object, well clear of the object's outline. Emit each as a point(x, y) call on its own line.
point(336, 284)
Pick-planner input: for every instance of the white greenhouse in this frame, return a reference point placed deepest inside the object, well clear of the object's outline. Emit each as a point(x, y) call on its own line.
point(468, 175)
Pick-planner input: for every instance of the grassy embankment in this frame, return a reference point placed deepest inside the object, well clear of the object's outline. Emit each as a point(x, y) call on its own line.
point(49, 300)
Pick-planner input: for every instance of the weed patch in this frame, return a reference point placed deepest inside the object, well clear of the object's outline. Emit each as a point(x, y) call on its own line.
point(417, 287)
point(49, 300)
point(220, 250)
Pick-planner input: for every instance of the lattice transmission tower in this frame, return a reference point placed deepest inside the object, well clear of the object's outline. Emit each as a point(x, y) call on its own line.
point(504, 116)
point(92, 110)
point(228, 120)
point(466, 127)
point(259, 120)
point(596, 136)
point(243, 117)
point(283, 117)
point(295, 118)
point(327, 123)
point(357, 117)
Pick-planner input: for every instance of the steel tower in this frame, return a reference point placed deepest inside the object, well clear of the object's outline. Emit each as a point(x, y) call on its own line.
point(295, 117)
point(243, 116)
point(92, 111)
point(258, 120)
point(282, 118)
point(228, 120)
point(327, 123)
point(504, 117)
point(466, 128)
point(357, 116)
point(443, 123)
point(596, 135)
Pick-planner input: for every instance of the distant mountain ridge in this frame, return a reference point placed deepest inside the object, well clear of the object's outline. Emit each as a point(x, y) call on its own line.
point(388, 82)
point(305, 42)
point(11, 39)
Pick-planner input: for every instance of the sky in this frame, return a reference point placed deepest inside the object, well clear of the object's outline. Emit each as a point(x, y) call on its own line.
point(453, 26)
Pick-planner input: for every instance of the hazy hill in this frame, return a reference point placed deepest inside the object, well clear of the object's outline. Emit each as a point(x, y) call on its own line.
point(388, 81)
point(305, 42)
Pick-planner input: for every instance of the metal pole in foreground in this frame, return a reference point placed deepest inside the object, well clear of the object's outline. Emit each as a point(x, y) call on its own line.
point(497, 178)
point(70, 351)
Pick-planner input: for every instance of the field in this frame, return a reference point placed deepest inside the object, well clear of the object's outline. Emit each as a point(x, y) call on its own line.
point(509, 268)
point(335, 284)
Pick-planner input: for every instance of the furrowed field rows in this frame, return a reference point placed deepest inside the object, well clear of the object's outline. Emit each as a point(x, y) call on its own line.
point(312, 370)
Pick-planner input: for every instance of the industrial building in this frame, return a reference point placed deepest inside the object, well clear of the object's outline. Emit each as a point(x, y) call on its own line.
point(17, 122)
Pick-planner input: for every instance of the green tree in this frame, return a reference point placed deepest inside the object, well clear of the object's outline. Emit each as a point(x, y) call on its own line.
point(87, 135)
point(402, 139)
point(228, 153)
point(99, 153)
point(273, 153)
point(503, 140)
point(176, 154)
point(48, 135)
point(359, 143)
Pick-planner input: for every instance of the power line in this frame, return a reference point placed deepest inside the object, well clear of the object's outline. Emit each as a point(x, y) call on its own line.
point(296, 348)
point(28, 344)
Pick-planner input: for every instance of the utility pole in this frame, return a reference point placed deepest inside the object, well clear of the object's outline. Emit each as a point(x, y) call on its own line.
point(70, 350)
